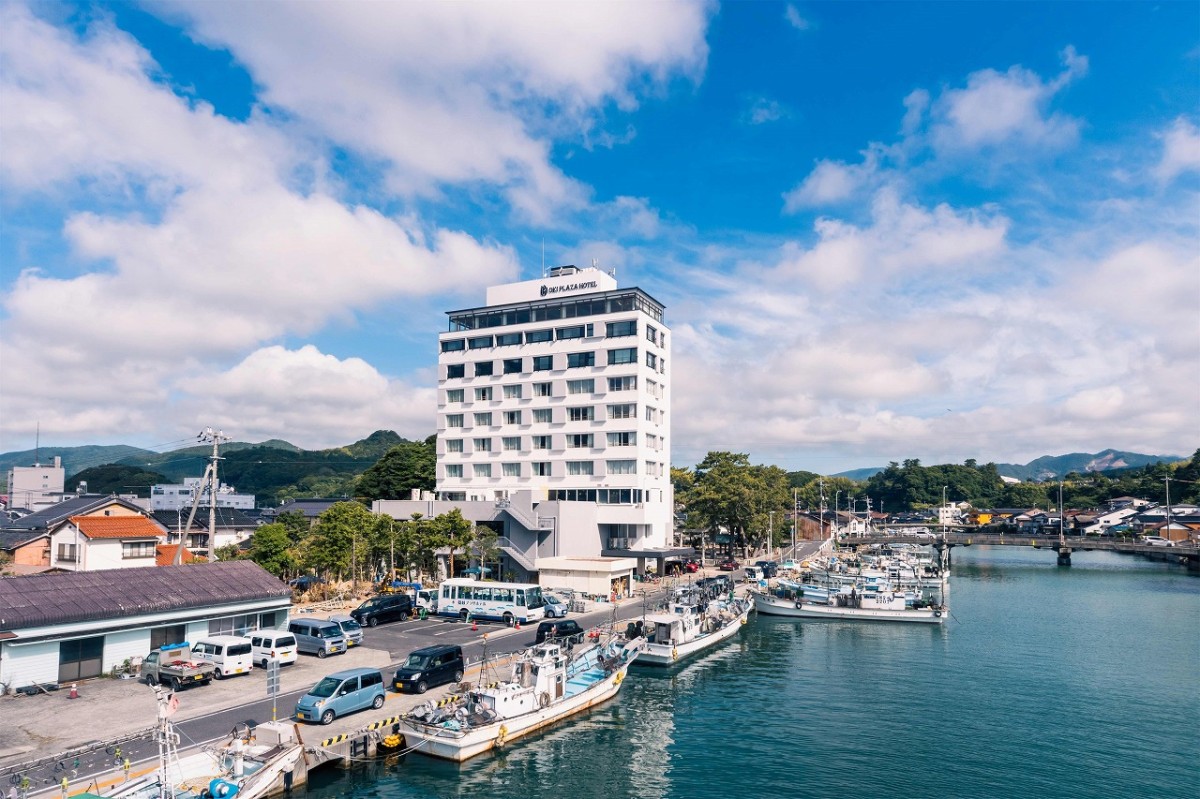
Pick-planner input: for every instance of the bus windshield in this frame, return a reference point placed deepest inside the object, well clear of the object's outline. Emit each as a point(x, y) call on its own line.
point(533, 598)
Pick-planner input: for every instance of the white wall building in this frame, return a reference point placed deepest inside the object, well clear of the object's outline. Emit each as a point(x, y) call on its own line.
point(177, 496)
point(553, 419)
point(35, 487)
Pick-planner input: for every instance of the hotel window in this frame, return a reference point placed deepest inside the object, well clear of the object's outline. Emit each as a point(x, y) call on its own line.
point(480, 342)
point(512, 417)
point(574, 331)
point(512, 443)
point(626, 355)
point(482, 444)
point(453, 345)
point(578, 360)
point(482, 469)
point(483, 419)
point(617, 329)
point(579, 467)
point(454, 395)
point(585, 414)
point(581, 386)
point(652, 388)
point(580, 441)
point(543, 363)
point(538, 336)
point(625, 439)
point(627, 383)
point(512, 392)
point(454, 420)
point(454, 470)
point(651, 360)
point(651, 469)
point(651, 441)
point(484, 368)
point(651, 414)
point(541, 442)
point(456, 370)
point(621, 467)
point(625, 411)
point(651, 334)
point(543, 415)
point(662, 366)
point(510, 469)
point(483, 394)
point(512, 366)
point(508, 339)
point(540, 468)
point(454, 445)
point(542, 389)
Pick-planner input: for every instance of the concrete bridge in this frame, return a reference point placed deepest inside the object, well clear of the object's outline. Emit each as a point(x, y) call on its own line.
point(1062, 546)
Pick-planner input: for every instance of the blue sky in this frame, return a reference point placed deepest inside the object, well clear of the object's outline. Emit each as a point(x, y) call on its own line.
point(881, 230)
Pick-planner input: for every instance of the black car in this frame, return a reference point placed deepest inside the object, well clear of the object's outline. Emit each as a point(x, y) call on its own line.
point(387, 607)
point(430, 666)
point(566, 630)
point(769, 568)
point(305, 582)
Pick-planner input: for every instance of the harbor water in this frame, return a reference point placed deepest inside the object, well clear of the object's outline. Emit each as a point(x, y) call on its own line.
point(1047, 681)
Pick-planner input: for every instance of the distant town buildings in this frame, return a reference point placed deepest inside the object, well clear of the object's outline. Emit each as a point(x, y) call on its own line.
point(190, 492)
point(34, 487)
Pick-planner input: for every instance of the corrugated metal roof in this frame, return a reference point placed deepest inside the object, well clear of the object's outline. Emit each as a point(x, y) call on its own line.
point(39, 600)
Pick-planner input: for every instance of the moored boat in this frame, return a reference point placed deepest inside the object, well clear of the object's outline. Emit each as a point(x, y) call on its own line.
point(881, 603)
point(691, 624)
point(549, 682)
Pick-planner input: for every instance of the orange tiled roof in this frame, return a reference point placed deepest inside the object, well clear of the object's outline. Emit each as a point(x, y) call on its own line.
point(117, 527)
point(166, 555)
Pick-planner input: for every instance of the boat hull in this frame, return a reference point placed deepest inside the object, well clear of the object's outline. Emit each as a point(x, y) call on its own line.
point(778, 606)
point(665, 654)
point(460, 746)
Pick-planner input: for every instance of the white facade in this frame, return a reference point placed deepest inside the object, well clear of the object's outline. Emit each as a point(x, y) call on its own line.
point(34, 487)
point(559, 389)
point(180, 496)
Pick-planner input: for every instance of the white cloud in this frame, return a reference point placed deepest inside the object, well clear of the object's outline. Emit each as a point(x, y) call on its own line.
point(307, 397)
point(763, 110)
point(997, 108)
point(793, 17)
point(450, 93)
point(830, 182)
point(1181, 151)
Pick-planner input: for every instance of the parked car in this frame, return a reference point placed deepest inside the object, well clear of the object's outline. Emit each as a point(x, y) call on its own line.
point(1157, 541)
point(790, 565)
point(351, 630)
point(555, 607)
point(273, 645)
point(229, 654)
point(390, 607)
point(318, 637)
point(340, 693)
point(566, 630)
point(305, 582)
point(430, 666)
point(769, 568)
point(691, 566)
point(728, 565)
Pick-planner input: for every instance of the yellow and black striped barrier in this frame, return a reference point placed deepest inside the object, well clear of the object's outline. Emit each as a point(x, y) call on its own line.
point(337, 739)
point(384, 723)
point(449, 700)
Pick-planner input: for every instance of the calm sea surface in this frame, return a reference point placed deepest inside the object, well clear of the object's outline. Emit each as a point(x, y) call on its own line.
point(1046, 682)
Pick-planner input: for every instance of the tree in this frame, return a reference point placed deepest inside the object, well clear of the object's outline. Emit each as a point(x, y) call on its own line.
point(271, 548)
point(297, 525)
point(484, 547)
point(404, 467)
point(115, 478)
point(454, 532)
point(229, 552)
point(332, 548)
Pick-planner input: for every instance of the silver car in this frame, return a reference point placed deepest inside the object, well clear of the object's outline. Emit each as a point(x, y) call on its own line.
point(555, 607)
point(351, 629)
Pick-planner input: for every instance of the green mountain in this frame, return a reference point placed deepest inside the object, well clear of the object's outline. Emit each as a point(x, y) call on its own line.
point(858, 475)
point(74, 459)
point(1052, 467)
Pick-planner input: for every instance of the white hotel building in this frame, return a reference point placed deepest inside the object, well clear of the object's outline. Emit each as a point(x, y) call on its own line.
point(553, 420)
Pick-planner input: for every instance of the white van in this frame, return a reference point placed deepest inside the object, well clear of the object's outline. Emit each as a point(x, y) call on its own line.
point(273, 644)
point(230, 654)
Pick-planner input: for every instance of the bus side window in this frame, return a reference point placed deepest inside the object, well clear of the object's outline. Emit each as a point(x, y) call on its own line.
point(520, 597)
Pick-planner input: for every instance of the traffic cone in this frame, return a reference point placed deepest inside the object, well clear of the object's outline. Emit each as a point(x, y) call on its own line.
point(517, 624)
point(474, 625)
point(74, 692)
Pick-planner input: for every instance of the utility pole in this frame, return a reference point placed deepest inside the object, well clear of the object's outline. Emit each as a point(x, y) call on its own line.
point(216, 437)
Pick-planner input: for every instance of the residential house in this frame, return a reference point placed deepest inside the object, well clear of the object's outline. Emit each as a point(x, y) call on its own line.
point(93, 543)
point(28, 550)
point(231, 526)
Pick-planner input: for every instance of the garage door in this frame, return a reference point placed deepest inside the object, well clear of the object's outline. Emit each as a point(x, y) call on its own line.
point(80, 658)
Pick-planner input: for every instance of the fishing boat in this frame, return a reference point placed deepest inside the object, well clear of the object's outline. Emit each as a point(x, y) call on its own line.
point(549, 682)
point(690, 624)
point(247, 764)
point(878, 601)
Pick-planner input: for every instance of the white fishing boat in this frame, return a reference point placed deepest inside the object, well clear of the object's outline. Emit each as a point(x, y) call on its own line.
point(689, 625)
point(881, 602)
point(549, 682)
point(248, 764)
